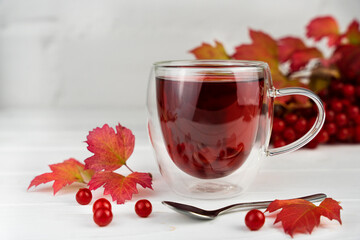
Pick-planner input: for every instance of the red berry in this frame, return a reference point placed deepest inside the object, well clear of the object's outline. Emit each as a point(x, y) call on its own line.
point(291, 118)
point(330, 128)
point(343, 134)
point(357, 119)
point(324, 93)
point(311, 123)
point(313, 143)
point(348, 90)
point(357, 91)
point(278, 125)
point(330, 115)
point(254, 219)
point(275, 137)
point(341, 120)
point(143, 208)
point(289, 134)
point(336, 105)
point(279, 143)
point(337, 86)
point(103, 216)
point(353, 112)
point(101, 203)
point(300, 125)
point(83, 196)
point(357, 134)
point(323, 136)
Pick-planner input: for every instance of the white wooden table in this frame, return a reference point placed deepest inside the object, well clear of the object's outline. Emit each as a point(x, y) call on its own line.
point(30, 140)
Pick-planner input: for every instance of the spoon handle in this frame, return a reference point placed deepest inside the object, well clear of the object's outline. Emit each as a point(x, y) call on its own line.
point(252, 205)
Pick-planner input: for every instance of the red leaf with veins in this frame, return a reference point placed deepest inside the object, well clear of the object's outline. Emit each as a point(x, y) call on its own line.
point(301, 58)
point(63, 174)
point(206, 51)
point(287, 46)
point(347, 59)
point(298, 215)
point(352, 34)
point(111, 149)
point(321, 27)
point(264, 48)
point(331, 209)
point(264, 41)
point(119, 187)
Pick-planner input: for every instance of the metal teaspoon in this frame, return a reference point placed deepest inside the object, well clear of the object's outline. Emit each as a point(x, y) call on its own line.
point(199, 213)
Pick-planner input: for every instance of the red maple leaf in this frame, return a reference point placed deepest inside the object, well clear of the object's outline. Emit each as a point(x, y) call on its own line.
point(263, 48)
point(287, 46)
point(111, 150)
point(330, 208)
point(322, 27)
point(119, 187)
point(63, 174)
point(352, 34)
point(298, 215)
point(347, 59)
point(206, 51)
point(301, 57)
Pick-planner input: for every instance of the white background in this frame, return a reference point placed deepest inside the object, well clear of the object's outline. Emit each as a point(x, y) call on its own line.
point(98, 53)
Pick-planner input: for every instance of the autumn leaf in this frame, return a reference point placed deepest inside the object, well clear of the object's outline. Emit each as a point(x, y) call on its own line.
point(300, 58)
point(119, 187)
point(111, 149)
point(63, 174)
point(347, 59)
point(264, 41)
point(206, 51)
point(263, 48)
point(352, 34)
point(287, 46)
point(298, 215)
point(331, 209)
point(321, 27)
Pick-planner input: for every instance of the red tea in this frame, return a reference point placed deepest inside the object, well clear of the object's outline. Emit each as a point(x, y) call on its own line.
point(209, 124)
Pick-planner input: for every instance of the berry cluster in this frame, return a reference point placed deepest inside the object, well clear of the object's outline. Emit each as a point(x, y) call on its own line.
point(342, 105)
point(102, 207)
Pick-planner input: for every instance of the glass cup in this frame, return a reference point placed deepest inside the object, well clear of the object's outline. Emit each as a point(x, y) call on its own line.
point(210, 121)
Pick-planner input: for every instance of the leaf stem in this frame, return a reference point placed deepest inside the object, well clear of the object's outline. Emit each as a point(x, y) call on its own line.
point(129, 168)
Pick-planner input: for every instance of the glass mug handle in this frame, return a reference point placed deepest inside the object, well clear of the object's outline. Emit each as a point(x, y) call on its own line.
point(319, 122)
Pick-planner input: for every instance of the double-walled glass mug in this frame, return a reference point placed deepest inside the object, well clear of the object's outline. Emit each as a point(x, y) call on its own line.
point(210, 124)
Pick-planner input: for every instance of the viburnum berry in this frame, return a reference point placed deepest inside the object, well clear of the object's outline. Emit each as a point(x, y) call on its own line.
point(279, 143)
point(103, 216)
point(357, 91)
point(254, 219)
point(313, 143)
point(323, 136)
point(357, 119)
point(83, 196)
point(143, 208)
point(300, 125)
point(330, 115)
point(343, 134)
point(353, 112)
point(341, 119)
point(278, 125)
point(101, 203)
point(337, 86)
point(348, 90)
point(289, 134)
point(357, 134)
point(336, 105)
point(291, 118)
point(330, 128)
